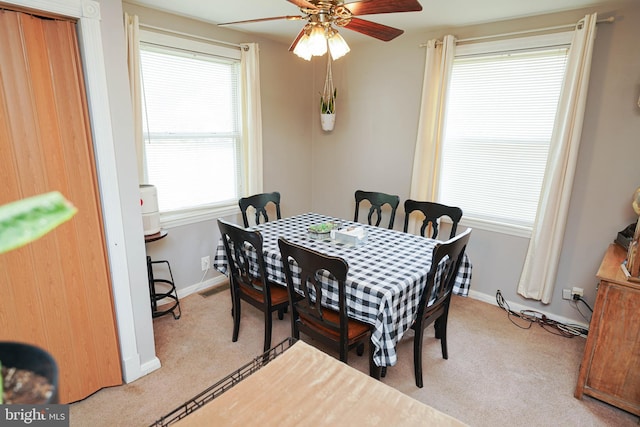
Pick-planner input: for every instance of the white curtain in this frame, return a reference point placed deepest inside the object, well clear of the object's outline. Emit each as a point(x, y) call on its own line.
point(541, 263)
point(252, 117)
point(437, 72)
point(132, 36)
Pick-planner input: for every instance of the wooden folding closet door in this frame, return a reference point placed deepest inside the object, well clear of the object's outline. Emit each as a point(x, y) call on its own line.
point(56, 291)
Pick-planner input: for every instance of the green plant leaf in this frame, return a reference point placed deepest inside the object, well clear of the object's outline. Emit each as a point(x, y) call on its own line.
point(327, 102)
point(26, 220)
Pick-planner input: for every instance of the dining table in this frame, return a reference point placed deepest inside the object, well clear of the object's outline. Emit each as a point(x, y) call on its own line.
point(386, 277)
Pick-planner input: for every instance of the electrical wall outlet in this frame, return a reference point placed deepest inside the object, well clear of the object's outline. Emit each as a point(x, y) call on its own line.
point(205, 263)
point(566, 294)
point(577, 291)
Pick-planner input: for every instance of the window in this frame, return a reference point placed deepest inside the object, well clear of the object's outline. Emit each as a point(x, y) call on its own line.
point(191, 123)
point(500, 115)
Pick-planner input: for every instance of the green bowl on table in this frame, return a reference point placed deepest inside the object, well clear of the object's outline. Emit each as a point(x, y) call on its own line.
point(321, 231)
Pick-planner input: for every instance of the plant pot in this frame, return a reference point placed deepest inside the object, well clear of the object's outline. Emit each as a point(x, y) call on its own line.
point(31, 358)
point(327, 121)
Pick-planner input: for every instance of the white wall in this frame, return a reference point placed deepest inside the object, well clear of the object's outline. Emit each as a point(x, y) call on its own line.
point(372, 148)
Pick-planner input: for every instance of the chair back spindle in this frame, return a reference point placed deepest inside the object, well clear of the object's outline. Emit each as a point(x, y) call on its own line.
point(377, 201)
point(259, 202)
point(432, 212)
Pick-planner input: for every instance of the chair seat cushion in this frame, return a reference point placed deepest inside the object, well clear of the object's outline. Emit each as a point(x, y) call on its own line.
point(357, 329)
point(278, 293)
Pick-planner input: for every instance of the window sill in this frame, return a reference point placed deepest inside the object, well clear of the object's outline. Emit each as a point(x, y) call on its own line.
point(498, 227)
point(176, 219)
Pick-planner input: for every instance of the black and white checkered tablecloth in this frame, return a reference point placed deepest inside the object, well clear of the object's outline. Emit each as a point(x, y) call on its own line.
point(385, 280)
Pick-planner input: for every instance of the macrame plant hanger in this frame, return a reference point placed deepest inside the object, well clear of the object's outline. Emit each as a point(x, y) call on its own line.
point(328, 100)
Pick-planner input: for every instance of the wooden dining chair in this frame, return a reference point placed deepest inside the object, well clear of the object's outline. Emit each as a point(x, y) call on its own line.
point(432, 213)
point(259, 202)
point(308, 315)
point(436, 296)
point(248, 278)
point(377, 201)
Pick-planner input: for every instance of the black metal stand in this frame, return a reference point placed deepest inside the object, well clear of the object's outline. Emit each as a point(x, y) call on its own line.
point(169, 291)
point(166, 288)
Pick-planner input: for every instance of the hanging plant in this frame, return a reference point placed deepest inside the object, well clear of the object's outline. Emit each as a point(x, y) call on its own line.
point(329, 93)
point(328, 100)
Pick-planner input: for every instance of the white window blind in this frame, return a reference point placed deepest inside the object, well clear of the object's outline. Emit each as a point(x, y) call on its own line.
point(500, 115)
point(191, 127)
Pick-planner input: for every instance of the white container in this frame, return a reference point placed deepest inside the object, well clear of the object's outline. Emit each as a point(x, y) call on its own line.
point(327, 121)
point(355, 236)
point(149, 208)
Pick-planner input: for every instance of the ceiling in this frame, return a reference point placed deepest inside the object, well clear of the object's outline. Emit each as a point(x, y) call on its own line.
point(435, 13)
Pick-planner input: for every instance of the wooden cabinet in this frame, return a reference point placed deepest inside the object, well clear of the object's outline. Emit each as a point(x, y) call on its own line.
point(610, 369)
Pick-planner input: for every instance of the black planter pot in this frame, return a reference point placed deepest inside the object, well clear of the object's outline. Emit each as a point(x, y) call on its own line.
point(32, 358)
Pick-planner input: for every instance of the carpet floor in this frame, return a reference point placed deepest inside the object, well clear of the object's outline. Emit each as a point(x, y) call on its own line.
point(497, 374)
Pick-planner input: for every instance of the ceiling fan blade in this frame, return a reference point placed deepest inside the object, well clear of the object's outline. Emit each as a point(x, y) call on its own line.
point(297, 39)
point(370, 7)
point(274, 18)
point(379, 31)
point(303, 3)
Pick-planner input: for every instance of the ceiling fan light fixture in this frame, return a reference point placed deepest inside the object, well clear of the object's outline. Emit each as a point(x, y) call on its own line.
point(317, 41)
point(338, 47)
point(302, 49)
point(321, 15)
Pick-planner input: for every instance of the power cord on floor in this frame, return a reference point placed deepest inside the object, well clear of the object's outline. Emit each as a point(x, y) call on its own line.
point(529, 317)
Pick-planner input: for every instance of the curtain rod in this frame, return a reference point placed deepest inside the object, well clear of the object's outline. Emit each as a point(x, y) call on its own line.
point(180, 33)
point(516, 33)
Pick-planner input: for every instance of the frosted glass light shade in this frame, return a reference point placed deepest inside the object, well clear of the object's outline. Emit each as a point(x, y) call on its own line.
point(337, 46)
point(317, 41)
point(302, 48)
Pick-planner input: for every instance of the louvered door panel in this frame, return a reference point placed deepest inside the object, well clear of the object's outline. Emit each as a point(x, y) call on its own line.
point(56, 292)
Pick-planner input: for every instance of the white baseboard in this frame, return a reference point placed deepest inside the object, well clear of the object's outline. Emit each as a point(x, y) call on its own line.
point(150, 366)
point(491, 299)
point(198, 287)
point(131, 369)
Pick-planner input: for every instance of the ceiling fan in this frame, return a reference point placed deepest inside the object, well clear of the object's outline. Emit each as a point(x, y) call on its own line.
point(322, 15)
